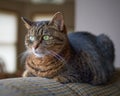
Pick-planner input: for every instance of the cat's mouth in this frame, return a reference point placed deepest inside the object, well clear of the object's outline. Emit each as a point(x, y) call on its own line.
point(39, 53)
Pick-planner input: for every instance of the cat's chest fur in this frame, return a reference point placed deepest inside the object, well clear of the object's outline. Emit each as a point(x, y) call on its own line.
point(48, 66)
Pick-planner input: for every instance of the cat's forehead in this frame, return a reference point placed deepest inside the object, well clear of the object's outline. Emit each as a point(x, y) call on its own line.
point(37, 26)
point(41, 23)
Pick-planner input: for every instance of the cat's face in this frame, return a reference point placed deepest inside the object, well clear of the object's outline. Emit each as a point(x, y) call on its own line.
point(45, 37)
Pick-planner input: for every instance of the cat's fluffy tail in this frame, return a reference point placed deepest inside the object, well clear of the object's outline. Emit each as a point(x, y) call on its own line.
point(106, 47)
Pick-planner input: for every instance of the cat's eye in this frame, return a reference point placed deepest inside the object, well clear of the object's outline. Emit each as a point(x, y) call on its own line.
point(46, 37)
point(32, 38)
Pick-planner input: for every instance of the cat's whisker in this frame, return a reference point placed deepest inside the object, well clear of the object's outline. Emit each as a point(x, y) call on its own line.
point(57, 56)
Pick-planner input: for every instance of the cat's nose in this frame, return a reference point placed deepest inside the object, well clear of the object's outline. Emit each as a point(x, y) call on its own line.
point(35, 45)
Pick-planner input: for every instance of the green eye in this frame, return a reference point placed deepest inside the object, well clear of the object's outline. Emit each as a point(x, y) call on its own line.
point(46, 37)
point(32, 38)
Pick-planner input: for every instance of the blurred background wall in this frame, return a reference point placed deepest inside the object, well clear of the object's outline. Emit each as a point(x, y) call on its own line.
point(96, 16)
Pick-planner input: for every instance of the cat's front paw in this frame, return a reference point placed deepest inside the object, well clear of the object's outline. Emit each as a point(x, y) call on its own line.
point(26, 73)
point(61, 79)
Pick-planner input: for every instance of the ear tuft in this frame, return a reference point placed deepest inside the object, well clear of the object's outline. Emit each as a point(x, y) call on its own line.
point(58, 21)
point(27, 22)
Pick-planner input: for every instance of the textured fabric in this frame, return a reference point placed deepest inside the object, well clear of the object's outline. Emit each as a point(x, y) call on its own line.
point(36, 86)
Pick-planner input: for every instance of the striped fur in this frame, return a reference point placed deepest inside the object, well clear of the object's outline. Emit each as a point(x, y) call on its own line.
point(76, 57)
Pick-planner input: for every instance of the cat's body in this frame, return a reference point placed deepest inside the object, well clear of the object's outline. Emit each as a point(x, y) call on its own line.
point(94, 56)
point(76, 57)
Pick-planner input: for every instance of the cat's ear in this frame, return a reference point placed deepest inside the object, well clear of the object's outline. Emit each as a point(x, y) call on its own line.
point(27, 22)
point(58, 21)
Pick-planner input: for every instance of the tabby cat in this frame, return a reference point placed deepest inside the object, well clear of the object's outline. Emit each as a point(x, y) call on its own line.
point(74, 57)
